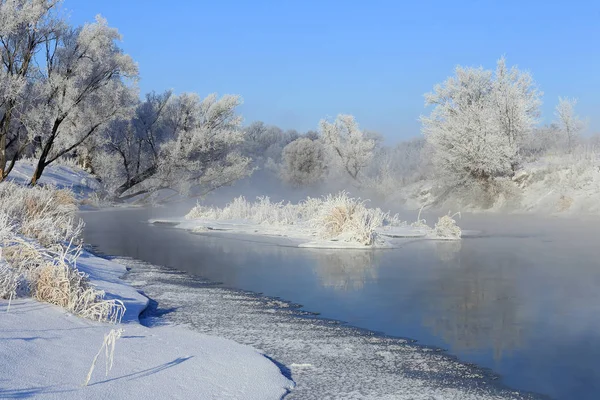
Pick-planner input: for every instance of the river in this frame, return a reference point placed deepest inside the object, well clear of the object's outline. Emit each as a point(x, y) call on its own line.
point(521, 299)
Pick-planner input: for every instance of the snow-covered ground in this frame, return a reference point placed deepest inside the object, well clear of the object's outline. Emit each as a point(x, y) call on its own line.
point(80, 182)
point(553, 185)
point(47, 352)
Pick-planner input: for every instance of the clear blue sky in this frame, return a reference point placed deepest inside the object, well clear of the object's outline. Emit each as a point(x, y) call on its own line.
point(297, 61)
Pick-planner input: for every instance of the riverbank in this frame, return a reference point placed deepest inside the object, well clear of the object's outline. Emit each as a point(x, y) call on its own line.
point(47, 353)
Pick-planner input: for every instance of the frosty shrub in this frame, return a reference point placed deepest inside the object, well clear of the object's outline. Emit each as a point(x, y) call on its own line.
point(262, 211)
point(446, 228)
point(339, 216)
point(44, 216)
point(59, 282)
point(52, 277)
point(42, 213)
point(303, 162)
point(9, 281)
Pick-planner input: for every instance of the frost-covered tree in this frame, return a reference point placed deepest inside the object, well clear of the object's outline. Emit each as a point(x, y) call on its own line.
point(570, 124)
point(25, 27)
point(264, 142)
point(85, 85)
point(182, 143)
point(541, 140)
point(303, 162)
point(517, 100)
point(350, 149)
point(478, 122)
point(312, 135)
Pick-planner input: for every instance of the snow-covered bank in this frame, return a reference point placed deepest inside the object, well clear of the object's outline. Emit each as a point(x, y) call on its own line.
point(47, 347)
point(81, 183)
point(334, 222)
point(553, 185)
point(47, 352)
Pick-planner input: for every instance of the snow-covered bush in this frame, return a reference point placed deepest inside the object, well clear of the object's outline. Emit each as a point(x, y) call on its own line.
point(44, 216)
point(9, 282)
point(52, 276)
point(303, 162)
point(262, 211)
point(59, 282)
point(446, 228)
point(344, 217)
point(42, 213)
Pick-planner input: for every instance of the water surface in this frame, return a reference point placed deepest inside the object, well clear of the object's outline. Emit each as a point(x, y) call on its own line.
point(522, 299)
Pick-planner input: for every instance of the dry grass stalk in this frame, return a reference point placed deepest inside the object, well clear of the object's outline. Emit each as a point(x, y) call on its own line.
point(108, 345)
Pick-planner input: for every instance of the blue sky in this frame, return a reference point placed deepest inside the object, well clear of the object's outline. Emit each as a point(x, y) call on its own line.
point(295, 62)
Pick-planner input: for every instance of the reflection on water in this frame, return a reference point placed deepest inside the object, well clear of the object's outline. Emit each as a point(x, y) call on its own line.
point(447, 250)
point(476, 301)
point(521, 300)
point(347, 270)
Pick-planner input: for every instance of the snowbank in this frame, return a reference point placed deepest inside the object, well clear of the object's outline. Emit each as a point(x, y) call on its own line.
point(567, 184)
point(81, 183)
point(47, 352)
point(335, 221)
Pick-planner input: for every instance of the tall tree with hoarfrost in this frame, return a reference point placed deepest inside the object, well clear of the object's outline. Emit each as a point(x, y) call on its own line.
point(351, 151)
point(517, 101)
point(303, 162)
point(87, 83)
point(184, 144)
point(478, 122)
point(25, 27)
point(570, 125)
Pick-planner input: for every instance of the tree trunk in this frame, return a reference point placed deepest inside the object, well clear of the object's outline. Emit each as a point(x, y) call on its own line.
point(4, 127)
point(3, 172)
point(139, 178)
point(41, 164)
point(13, 161)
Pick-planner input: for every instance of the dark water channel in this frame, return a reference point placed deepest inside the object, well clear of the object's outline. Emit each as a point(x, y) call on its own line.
point(522, 299)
